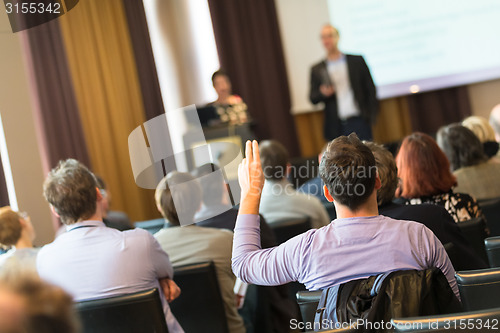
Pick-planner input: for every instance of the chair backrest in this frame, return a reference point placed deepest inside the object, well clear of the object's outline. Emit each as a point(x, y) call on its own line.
point(153, 226)
point(452, 253)
point(491, 210)
point(479, 289)
point(139, 312)
point(288, 228)
point(492, 245)
point(474, 231)
point(308, 303)
point(476, 321)
point(200, 307)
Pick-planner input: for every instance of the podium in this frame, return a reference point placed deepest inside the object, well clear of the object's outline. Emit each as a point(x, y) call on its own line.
point(234, 134)
point(222, 145)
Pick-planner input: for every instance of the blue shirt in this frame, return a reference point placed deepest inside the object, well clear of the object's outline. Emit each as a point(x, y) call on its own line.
point(91, 261)
point(346, 249)
point(314, 187)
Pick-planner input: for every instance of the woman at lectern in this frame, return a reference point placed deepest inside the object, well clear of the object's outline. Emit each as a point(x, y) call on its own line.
point(230, 108)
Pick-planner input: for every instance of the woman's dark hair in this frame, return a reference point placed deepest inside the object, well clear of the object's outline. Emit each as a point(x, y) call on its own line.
point(219, 72)
point(461, 146)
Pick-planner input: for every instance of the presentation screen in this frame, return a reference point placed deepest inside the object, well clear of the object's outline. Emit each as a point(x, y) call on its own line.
point(415, 46)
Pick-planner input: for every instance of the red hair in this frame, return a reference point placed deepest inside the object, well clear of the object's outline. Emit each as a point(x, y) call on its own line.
point(423, 168)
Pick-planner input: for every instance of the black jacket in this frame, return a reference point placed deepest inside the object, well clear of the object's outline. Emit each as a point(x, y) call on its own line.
point(400, 294)
point(361, 84)
point(443, 226)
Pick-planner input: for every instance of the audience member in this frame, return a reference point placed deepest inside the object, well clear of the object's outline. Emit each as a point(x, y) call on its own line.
point(433, 217)
point(29, 305)
point(112, 218)
point(425, 177)
point(279, 199)
point(215, 200)
point(314, 186)
point(476, 174)
point(17, 232)
point(179, 194)
point(230, 107)
point(91, 261)
point(485, 133)
point(276, 299)
point(358, 244)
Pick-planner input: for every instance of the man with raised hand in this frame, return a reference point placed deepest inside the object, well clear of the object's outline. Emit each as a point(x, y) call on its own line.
point(358, 244)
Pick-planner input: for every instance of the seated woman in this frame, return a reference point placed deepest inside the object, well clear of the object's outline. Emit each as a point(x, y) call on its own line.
point(17, 232)
point(425, 177)
point(481, 127)
point(230, 108)
point(476, 174)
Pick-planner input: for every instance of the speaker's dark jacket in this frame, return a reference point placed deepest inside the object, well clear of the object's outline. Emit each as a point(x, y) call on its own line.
point(361, 84)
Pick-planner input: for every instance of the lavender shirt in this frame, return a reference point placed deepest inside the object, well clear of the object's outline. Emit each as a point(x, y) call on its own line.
point(92, 261)
point(345, 250)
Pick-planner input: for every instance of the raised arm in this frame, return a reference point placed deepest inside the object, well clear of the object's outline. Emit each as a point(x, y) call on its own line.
point(250, 263)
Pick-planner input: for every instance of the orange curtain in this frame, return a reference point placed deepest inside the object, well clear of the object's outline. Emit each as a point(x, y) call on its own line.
point(108, 93)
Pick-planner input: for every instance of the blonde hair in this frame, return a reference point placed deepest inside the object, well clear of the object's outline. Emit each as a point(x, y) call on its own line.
point(10, 227)
point(480, 127)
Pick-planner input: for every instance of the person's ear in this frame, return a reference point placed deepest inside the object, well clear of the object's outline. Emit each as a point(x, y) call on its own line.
point(327, 194)
point(53, 210)
point(159, 209)
point(378, 182)
point(99, 194)
point(22, 222)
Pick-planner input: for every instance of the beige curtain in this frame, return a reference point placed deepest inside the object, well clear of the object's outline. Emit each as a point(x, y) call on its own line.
point(104, 75)
point(393, 121)
point(393, 124)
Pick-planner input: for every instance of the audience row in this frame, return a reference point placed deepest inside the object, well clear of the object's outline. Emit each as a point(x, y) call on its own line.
point(392, 214)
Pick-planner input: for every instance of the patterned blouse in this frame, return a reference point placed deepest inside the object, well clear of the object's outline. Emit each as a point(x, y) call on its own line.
point(460, 206)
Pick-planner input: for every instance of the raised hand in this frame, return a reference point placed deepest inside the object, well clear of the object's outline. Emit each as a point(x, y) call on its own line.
point(251, 179)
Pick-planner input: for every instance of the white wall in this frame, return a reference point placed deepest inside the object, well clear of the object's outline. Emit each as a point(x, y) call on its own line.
point(18, 122)
point(301, 45)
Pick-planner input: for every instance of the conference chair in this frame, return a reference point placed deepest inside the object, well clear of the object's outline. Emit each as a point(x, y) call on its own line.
point(200, 307)
point(474, 232)
point(479, 289)
point(491, 210)
point(153, 226)
point(475, 321)
point(308, 303)
point(284, 230)
point(492, 245)
point(288, 228)
point(132, 313)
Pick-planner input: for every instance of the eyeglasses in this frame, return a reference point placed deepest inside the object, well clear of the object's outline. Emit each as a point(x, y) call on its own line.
point(24, 215)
